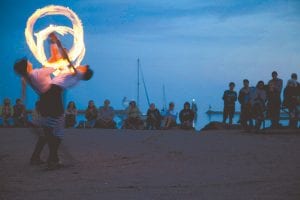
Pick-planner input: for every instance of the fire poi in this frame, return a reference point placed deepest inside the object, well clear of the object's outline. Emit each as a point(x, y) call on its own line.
point(77, 51)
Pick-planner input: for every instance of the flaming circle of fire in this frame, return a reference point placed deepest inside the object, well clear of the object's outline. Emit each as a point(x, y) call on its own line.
point(76, 53)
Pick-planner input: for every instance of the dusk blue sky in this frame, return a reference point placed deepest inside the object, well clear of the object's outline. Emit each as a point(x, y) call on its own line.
point(194, 48)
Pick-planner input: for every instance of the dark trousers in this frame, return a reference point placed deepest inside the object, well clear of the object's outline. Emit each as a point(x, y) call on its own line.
point(153, 124)
point(53, 144)
point(245, 117)
point(274, 111)
point(51, 105)
point(42, 140)
point(228, 112)
point(293, 113)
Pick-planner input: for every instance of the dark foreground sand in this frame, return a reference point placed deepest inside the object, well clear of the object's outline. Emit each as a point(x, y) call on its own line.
point(123, 164)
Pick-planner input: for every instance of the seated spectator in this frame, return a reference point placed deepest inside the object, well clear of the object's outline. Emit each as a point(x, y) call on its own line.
point(36, 115)
point(186, 117)
point(153, 118)
point(170, 117)
point(91, 115)
point(6, 113)
point(70, 115)
point(133, 120)
point(106, 116)
point(20, 115)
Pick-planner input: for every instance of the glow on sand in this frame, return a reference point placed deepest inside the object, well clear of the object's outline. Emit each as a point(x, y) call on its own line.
point(76, 53)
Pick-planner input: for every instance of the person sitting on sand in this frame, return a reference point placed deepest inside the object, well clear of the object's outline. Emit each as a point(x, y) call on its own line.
point(6, 113)
point(36, 116)
point(186, 117)
point(229, 97)
point(170, 117)
point(153, 118)
point(20, 115)
point(133, 120)
point(106, 116)
point(70, 115)
point(91, 114)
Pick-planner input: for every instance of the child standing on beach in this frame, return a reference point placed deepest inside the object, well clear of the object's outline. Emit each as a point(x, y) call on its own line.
point(229, 97)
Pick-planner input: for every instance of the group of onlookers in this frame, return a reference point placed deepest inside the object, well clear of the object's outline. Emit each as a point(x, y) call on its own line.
point(16, 114)
point(264, 102)
point(257, 104)
point(133, 118)
point(160, 120)
point(98, 118)
point(103, 117)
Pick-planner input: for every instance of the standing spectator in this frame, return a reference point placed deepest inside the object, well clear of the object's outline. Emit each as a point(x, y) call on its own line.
point(292, 99)
point(91, 114)
point(153, 118)
point(186, 117)
point(229, 97)
point(274, 100)
point(6, 113)
point(170, 117)
point(106, 116)
point(258, 102)
point(133, 120)
point(70, 115)
point(244, 100)
point(20, 115)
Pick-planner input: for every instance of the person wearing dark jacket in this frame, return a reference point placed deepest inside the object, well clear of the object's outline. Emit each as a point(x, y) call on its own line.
point(20, 116)
point(245, 101)
point(229, 97)
point(186, 117)
point(153, 118)
point(274, 99)
point(292, 100)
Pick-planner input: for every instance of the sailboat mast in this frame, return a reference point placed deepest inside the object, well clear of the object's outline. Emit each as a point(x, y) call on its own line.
point(138, 82)
point(164, 98)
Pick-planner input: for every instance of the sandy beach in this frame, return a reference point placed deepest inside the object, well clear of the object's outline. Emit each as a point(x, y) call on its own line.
point(128, 164)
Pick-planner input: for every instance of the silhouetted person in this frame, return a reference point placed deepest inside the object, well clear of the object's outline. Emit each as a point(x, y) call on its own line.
point(274, 100)
point(186, 117)
point(245, 101)
point(70, 115)
point(106, 116)
point(258, 101)
point(91, 114)
point(170, 117)
point(292, 100)
point(153, 118)
point(6, 113)
point(229, 97)
point(20, 115)
point(133, 120)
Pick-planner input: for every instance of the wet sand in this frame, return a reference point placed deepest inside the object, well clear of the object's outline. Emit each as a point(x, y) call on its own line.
point(128, 164)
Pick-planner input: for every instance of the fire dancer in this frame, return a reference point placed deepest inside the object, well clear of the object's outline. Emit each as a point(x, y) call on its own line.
point(51, 104)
